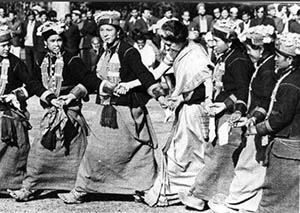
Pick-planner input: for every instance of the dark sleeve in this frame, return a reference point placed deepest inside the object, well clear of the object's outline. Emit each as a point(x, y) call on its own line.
point(89, 28)
point(138, 25)
point(133, 59)
point(240, 70)
point(284, 110)
point(268, 82)
point(82, 75)
point(32, 84)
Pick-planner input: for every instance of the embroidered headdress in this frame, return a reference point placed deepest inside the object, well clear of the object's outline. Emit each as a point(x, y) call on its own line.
point(108, 17)
point(288, 44)
point(5, 34)
point(224, 29)
point(50, 28)
point(258, 35)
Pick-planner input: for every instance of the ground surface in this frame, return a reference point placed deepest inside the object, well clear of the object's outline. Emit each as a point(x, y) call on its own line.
point(104, 204)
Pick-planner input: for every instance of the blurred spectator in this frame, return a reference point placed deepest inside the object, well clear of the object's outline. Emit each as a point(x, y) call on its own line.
point(71, 36)
point(88, 31)
point(167, 16)
point(187, 22)
point(146, 51)
point(29, 28)
point(76, 18)
point(203, 20)
point(295, 25)
point(216, 17)
point(130, 23)
point(14, 24)
point(216, 13)
point(2, 16)
point(271, 11)
point(38, 38)
point(261, 18)
point(245, 24)
point(234, 16)
point(94, 53)
point(84, 16)
point(52, 15)
point(224, 13)
point(283, 14)
point(145, 23)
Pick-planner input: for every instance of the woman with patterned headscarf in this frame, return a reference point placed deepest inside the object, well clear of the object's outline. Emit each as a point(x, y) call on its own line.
point(57, 151)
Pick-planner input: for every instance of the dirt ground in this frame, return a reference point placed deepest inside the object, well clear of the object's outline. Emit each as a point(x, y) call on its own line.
point(96, 203)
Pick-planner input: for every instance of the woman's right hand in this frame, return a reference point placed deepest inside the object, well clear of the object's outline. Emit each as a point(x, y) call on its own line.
point(218, 107)
point(57, 103)
point(122, 88)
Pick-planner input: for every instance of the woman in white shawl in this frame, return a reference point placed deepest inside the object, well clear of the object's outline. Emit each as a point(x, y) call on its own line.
point(184, 150)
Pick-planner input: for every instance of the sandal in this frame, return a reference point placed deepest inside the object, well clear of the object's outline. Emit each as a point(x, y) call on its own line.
point(22, 195)
point(73, 197)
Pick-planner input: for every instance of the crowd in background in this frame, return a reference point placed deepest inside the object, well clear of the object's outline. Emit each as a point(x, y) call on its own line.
point(140, 27)
point(232, 88)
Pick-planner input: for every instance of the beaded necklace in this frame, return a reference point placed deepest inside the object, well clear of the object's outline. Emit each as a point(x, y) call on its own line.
point(3, 77)
point(52, 73)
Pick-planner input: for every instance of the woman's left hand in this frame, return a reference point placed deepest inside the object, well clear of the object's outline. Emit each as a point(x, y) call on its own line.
point(121, 88)
point(235, 117)
point(174, 102)
point(67, 98)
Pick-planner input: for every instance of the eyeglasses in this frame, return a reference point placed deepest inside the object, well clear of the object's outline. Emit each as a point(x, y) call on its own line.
point(260, 11)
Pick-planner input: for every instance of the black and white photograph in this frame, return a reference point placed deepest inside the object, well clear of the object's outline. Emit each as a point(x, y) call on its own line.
point(149, 106)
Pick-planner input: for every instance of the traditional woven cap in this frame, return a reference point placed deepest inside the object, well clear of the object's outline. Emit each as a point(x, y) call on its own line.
point(258, 35)
point(77, 12)
point(50, 28)
point(224, 29)
point(288, 44)
point(108, 17)
point(5, 34)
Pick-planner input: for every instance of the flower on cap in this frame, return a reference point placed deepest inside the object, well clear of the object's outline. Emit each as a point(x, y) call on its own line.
point(225, 29)
point(108, 17)
point(58, 27)
point(288, 43)
point(259, 35)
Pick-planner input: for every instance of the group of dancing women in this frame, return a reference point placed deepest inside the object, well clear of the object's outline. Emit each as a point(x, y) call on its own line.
point(234, 145)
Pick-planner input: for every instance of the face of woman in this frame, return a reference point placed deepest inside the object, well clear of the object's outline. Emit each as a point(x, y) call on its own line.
point(219, 45)
point(108, 33)
point(54, 43)
point(224, 14)
point(172, 48)
point(281, 62)
point(254, 54)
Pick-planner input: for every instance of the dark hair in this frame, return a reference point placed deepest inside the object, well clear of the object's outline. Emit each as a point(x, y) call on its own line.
point(246, 12)
point(30, 13)
point(68, 15)
point(298, 13)
point(224, 8)
point(178, 31)
point(145, 8)
point(280, 6)
point(140, 36)
point(52, 14)
point(166, 9)
point(13, 12)
point(43, 12)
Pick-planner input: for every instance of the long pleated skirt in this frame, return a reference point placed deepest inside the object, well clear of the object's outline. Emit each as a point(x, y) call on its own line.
point(119, 161)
